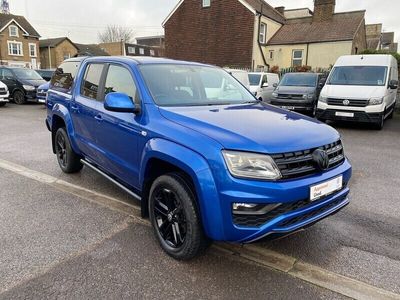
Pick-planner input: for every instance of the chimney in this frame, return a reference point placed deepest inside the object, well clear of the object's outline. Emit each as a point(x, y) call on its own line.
point(280, 9)
point(323, 10)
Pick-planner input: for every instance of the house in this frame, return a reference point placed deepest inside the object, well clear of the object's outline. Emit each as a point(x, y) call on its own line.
point(253, 35)
point(388, 42)
point(90, 50)
point(157, 41)
point(379, 40)
point(54, 51)
point(19, 42)
point(129, 49)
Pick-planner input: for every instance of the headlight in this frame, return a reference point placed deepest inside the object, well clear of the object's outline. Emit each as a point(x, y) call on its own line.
point(308, 96)
point(275, 95)
point(323, 99)
point(29, 87)
point(251, 165)
point(376, 101)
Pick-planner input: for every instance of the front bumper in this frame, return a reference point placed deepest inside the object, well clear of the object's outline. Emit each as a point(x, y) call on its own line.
point(288, 192)
point(359, 116)
point(294, 105)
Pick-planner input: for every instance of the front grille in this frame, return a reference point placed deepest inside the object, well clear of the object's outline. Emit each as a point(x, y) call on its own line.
point(290, 96)
point(351, 102)
point(300, 163)
point(259, 220)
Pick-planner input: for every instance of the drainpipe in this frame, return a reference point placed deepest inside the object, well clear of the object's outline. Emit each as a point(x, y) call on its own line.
point(308, 47)
point(258, 40)
point(50, 67)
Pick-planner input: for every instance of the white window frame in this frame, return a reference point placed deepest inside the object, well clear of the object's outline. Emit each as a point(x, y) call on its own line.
point(21, 49)
point(30, 50)
point(141, 51)
point(206, 3)
point(297, 59)
point(131, 50)
point(16, 31)
point(262, 38)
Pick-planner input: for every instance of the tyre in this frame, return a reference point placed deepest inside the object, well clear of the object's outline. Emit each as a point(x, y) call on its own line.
point(381, 123)
point(392, 113)
point(19, 98)
point(68, 160)
point(314, 111)
point(3, 104)
point(175, 217)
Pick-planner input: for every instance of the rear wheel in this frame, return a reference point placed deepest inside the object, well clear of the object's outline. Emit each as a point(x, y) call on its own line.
point(392, 113)
point(19, 97)
point(175, 218)
point(68, 160)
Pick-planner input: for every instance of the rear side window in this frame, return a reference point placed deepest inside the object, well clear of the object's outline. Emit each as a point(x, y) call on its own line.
point(120, 80)
point(6, 74)
point(91, 81)
point(64, 76)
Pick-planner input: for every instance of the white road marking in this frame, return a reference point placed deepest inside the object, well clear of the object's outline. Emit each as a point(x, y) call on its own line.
point(309, 273)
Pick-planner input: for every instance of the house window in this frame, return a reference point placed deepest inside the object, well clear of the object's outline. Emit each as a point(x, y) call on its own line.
point(297, 59)
point(13, 30)
point(263, 33)
point(206, 3)
point(15, 48)
point(271, 54)
point(141, 51)
point(131, 50)
point(67, 56)
point(32, 50)
point(152, 53)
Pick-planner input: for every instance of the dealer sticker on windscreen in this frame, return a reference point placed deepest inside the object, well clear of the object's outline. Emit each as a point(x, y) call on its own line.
point(326, 188)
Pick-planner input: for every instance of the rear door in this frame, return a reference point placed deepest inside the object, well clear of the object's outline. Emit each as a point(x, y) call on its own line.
point(117, 134)
point(84, 109)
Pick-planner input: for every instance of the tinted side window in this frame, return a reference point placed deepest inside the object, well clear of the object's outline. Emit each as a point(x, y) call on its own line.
point(120, 80)
point(91, 80)
point(265, 79)
point(5, 73)
point(64, 76)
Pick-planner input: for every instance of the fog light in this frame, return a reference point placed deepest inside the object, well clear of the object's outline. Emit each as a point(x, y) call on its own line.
point(252, 208)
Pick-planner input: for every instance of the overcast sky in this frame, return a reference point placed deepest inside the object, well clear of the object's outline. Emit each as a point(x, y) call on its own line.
point(81, 20)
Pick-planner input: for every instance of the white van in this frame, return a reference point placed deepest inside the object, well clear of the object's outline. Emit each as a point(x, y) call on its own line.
point(262, 85)
point(360, 88)
point(241, 76)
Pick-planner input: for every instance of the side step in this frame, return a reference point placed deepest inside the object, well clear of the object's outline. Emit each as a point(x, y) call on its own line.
point(88, 164)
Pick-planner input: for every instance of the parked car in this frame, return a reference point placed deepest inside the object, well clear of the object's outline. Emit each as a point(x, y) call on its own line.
point(360, 88)
point(299, 92)
point(42, 92)
point(4, 94)
point(205, 167)
point(46, 74)
point(22, 83)
point(262, 85)
point(241, 76)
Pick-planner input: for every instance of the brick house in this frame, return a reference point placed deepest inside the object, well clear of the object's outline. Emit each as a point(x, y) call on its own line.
point(157, 41)
point(129, 49)
point(19, 42)
point(54, 51)
point(253, 35)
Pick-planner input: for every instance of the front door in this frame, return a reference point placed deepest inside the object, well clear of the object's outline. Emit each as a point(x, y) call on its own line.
point(118, 133)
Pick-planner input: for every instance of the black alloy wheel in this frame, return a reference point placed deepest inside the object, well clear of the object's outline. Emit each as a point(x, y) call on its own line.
point(61, 150)
point(68, 160)
point(19, 98)
point(169, 216)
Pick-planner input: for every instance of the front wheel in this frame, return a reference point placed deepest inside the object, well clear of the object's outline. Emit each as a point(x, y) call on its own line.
point(380, 124)
point(19, 98)
point(2, 104)
point(175, 218)
point(68, 160)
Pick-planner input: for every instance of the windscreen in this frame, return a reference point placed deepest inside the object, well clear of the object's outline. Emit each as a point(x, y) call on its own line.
point(189, 85)
point(299, 80)
point(254, 79)
point(358, 75)
point(27, 74)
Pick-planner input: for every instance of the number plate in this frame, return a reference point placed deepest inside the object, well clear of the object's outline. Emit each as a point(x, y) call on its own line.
point(344, 114)
point(288, 107)
point(326, 188)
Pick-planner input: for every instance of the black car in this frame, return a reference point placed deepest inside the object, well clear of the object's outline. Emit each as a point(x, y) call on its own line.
point(22, 83)
point(46, 73)
point(299, 92)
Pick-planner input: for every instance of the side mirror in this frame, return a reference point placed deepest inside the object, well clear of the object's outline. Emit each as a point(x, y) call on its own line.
point(322, 83)
point(275, 85)
point(265, 85)
point(120, 102)
point(393, 84)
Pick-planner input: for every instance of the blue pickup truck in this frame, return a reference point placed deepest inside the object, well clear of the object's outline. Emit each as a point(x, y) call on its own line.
point(207, 160)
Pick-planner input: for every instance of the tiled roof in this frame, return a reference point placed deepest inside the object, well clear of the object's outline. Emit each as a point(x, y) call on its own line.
point(6, 18)
point(52, 42)
point(267, 10)
point(91, 50)
point(342, 27)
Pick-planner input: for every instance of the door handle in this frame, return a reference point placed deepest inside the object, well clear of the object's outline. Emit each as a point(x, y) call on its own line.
point(99, 118)
point(74, 107)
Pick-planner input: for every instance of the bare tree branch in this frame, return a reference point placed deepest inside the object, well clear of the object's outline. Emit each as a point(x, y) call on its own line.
point(116, 33)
